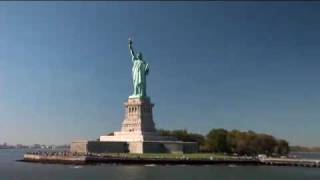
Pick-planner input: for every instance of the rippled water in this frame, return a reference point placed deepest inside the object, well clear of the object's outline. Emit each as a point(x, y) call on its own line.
point(10, 169)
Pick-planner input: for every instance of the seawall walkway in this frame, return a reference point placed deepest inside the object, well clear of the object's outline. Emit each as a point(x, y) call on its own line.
point(114, 159)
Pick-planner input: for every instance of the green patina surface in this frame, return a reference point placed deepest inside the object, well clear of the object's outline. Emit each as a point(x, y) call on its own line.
point(140, 70)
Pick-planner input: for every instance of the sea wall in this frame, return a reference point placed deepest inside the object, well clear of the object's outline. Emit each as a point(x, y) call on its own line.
point(69, 158)
point(55, 159)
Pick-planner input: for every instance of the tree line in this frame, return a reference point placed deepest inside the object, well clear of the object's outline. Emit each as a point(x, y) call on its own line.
point(233, 142)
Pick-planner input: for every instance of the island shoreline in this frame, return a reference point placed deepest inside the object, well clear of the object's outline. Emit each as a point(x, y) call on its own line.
point(120, 160)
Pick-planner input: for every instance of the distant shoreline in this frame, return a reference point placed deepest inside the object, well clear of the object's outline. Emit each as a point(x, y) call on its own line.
point(303, 149)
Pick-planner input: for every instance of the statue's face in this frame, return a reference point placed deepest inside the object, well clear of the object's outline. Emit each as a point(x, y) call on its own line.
point(140, 56)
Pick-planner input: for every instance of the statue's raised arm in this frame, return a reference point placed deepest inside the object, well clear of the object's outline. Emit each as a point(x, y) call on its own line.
point(131, 49)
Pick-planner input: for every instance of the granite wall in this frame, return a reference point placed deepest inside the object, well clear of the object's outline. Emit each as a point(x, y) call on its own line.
point(98, 147)
point(134, 147)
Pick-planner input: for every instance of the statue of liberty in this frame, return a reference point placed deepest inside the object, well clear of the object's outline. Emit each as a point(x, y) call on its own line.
point(140, 70)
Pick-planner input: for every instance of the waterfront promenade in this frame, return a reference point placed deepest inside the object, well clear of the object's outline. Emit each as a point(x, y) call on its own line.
point(163, 159)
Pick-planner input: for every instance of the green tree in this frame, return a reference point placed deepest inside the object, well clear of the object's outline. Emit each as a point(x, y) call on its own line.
point(235, 141)
point(216, 140)
point(282, 147)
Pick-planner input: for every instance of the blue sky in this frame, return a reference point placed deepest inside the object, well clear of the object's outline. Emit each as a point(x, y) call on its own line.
point(65, 69)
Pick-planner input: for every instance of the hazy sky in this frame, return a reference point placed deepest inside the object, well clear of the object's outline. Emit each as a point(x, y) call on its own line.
point(65, 69)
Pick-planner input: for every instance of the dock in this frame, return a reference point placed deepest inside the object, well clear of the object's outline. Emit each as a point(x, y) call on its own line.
point(291, 162)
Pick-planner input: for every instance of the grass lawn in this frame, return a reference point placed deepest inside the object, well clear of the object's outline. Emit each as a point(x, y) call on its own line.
point(169, 156)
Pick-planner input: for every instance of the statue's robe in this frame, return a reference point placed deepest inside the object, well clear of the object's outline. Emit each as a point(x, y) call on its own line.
point(139, 71)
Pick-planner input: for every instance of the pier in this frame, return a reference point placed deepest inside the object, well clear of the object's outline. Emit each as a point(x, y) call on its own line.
point(291, 162)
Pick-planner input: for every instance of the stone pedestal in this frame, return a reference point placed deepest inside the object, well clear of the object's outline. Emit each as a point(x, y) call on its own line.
point(138, 116)
point(139, 132)
point(138, 124)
